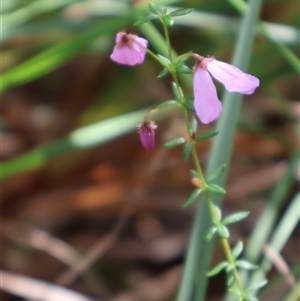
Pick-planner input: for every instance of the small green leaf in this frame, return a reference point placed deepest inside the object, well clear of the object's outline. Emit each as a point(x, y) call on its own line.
point(258, 284)
point(176, 91)
point(217, 269)
point(207, 135)
point(218, 212)
point(189, 105)
point(194, 174)
point(237, 250)
point(235, 217)
point(145, 20)
point(223, 232)
point(246, 265)
point(164, 59)
point(181, 12)
point(156, 9)
point(193, 125)
point(251, 298)
point(168, 20)
point(216, 189)
point(183, 69)
point(210, 233)
point(166, 104)
point(187, 149)
point(174, 142)
point(216, 173)
point(191, 199)
point(230, 280)
point(163, 73)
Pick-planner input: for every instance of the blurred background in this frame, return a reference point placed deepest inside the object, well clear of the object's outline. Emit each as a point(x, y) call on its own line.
point(84, 207)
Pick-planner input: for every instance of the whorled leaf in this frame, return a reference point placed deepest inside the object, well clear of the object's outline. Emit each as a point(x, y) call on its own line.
point(167, 20)
point(217, 269)
point(180, 68)
point(246, 265)
point(163, 73)
point(145, 19)
point(216, 189)
point(187, 149)
point(235, 217)
point(174, 142)
point(181, 12)
point(164, 59)
point(207, 135)
point(193, 125)
point(166, 104)
point(223, 232)
point(216, 173)
point(237, 250)
point(210, 233)
point(156, 9)
point(191, 199)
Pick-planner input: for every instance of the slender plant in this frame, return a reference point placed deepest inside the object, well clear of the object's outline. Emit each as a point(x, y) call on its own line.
point(204, 104)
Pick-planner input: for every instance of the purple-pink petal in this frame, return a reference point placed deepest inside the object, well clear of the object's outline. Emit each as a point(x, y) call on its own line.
point(207, 105)
point(234, 79)
point(131, 53)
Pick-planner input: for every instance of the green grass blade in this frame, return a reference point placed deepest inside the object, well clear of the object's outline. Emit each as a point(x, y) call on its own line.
point(281, 234)
point(57, 55)
point(267, 220)
point(285, 52)
point(88, 136)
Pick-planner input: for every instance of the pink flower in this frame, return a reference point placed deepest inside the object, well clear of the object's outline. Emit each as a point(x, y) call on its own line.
point(147, 134)
point(129, 49)
point(207, 105)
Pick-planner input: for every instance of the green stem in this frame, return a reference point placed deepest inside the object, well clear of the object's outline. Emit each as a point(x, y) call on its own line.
point(217, 221)
point(166, 32)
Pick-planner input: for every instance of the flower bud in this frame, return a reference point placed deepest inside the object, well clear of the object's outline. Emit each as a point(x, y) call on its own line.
point(147, 134)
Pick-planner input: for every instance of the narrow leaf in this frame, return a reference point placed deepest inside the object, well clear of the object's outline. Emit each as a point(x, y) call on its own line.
point(243, 264)
point(174, 142)
point(187, 149)
point(216, 189)
point(156, 9)
point(223, 232)
point(164, 59)
point(251, 298)
point(191, 198)
point(216, 173)
point(237, 250)
point(194, 174)
point(193, 125)
point(210, 233)
point(230, 280)
point(183, 69)
point(217, 269)
point(218, 212)
point(181, 12)
point(258, 284)
point(207, 135)
point(168, 20)
point(235, 217)
point(166, 104)
point(176, 91)
point(189, 105)
point(145, 20)
point(163, 73)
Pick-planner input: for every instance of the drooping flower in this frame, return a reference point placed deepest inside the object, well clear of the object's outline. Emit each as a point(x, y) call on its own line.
point(207, 105)
point(147, 134)
point(129, 49)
